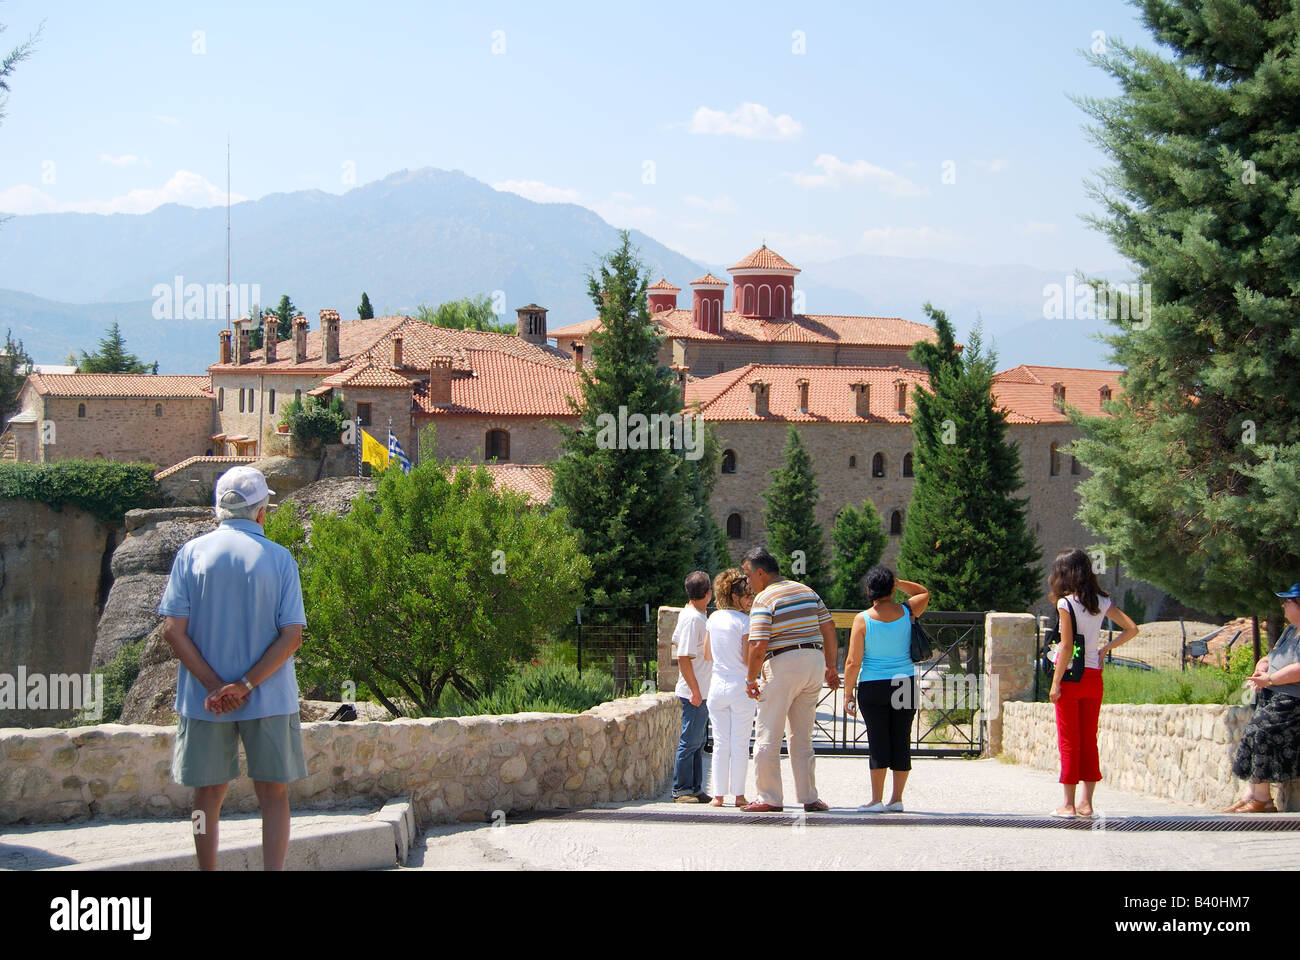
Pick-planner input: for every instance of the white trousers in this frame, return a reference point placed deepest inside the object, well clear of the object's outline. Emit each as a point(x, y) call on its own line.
point(731, 712)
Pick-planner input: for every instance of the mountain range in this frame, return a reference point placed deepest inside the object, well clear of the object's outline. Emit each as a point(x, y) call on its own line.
point(426, 236)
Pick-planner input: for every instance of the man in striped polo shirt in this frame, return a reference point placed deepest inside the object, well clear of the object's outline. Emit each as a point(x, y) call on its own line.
point(792, 643)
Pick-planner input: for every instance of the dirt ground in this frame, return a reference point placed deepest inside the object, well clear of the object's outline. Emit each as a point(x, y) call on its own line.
point(1159, 643)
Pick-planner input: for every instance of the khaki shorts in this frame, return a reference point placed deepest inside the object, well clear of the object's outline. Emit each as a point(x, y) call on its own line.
point(207, 752)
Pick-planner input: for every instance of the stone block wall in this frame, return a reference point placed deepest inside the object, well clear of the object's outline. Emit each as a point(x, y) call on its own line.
point(532, 439)
point(1176, 752)
point(1010, 642)
point(458, 768)
point(128, 429)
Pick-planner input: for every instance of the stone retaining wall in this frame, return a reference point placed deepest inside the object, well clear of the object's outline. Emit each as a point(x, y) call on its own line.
point(1176, 752)
point(459, 768)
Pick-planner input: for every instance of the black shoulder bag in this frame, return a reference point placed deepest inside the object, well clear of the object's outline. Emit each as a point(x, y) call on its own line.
point(922, 648)
point(1052, 638)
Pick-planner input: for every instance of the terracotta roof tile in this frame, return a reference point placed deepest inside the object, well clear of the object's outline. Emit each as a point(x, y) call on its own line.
point(367, 375)
point(178, 467)
point(505, 385)
point(708, 278)
point(802, 328)
point(1025, 392)
point(727, 396)
point(120, 385)
point(765, 259)
point(530, 479)
point(663, 284)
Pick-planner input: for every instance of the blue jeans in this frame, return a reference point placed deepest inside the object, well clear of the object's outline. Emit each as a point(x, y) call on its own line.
point(688, 771)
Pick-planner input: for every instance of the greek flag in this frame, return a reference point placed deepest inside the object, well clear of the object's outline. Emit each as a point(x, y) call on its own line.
point(396, 454)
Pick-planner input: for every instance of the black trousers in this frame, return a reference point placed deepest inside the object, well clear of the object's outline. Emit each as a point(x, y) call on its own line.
point(888, 708)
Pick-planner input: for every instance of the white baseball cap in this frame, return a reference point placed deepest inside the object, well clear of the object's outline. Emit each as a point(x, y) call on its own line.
point(245, 482)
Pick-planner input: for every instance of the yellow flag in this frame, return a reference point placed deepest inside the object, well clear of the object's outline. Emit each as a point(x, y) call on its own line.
point(373, 452)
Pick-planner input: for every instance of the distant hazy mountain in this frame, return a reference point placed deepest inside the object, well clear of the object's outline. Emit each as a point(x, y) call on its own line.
point(427, 235)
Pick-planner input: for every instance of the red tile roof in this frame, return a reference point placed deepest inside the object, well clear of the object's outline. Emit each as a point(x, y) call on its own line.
point(178, 467)
point(708, 278)
point(765, 259)
point(120, 385)
point(505, 385)
point(530, 479)
point(367, 375)
point(802, 328)
point(1025, 392)
point(727, 396)
point(663, 284)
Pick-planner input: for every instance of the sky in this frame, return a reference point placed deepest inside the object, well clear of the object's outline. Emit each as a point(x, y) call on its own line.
point(942, 130)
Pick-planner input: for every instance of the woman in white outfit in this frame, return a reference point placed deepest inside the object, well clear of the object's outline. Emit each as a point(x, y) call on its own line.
point(731, 711)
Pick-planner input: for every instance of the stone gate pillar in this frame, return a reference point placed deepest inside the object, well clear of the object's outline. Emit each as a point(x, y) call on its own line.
point(1010, 642)
point(667, 678)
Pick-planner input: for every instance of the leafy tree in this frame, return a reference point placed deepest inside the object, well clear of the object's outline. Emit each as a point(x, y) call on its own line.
point(794, 536)
point(966, 537)
point(112, 356)
point(284, 314)
point(255, 328)
point(1194, 474)
point(11, 60)
point(365, 311)
point(312, 422)
point(437, 580)
point(711, 552)
point(857, 543)
point(467, 313)
point(15, 362)
point(630, 506)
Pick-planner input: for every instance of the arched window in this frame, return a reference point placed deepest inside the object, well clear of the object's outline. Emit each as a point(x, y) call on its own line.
point(749, 298)
point(81, 411)
point(734, 526)
point(297, 396)
point(251, 395)
point(720, 366)
point(728, 461)
point(498, 445)
point(241, 399)
point(765, 300)
point(1055, 465)
point(907, 465)
point(273, 401)
point(157, 409)
point(221, 398)
point(1075, 469)
point(780, 302)
point(896, 524)
point(717, 315)
point(878, 465)
point(853, 463)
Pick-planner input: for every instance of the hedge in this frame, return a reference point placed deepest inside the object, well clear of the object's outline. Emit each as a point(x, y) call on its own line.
point(102, 487)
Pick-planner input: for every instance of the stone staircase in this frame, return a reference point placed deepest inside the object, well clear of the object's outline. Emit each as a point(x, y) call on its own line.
point(8, 446)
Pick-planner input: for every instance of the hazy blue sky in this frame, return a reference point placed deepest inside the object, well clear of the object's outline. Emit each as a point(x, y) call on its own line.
point(701, 124)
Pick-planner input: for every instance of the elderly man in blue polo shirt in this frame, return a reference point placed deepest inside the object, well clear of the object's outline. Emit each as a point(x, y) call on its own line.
point(234, 618)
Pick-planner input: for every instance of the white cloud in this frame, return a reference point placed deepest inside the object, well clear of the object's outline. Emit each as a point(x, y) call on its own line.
point(621, 212)
point(835, 173)
point(750, 121)
point(718, 204)
point(1036, 228)
point(184, 187)
point(125, 160)
point(909, 241)
point(537, 191)
point(169, 121)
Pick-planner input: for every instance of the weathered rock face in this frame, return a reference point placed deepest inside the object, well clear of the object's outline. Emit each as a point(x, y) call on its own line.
point(152, 697)
point(140, 568)
point(332, 495)
point(51, 563)
point(286, 475)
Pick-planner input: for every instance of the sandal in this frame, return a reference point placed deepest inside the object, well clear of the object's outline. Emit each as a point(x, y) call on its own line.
point(1257, 806)
point(759, 807)
point(1236, 807)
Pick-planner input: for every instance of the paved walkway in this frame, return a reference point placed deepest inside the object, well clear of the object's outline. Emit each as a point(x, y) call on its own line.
point(659, 835)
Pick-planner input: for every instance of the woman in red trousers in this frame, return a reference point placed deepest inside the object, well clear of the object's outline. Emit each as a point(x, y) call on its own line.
point(1082, 606)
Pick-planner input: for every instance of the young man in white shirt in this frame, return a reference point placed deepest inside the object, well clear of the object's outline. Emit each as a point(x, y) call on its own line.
point(692, 690)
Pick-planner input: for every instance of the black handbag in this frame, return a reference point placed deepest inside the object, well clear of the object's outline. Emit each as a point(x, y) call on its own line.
point(1052, 638)
point(922, 648)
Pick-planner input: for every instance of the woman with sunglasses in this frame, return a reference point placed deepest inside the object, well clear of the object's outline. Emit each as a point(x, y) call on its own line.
point(1270, 745)
point(731, 711)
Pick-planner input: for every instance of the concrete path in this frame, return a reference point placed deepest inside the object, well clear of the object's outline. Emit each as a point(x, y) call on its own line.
point(931, 835)
point(318, 840)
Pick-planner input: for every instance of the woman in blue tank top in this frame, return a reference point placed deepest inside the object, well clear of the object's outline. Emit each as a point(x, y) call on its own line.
point(880, 680)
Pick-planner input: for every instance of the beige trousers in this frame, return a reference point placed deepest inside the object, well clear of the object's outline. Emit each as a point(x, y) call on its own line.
point(792, 684)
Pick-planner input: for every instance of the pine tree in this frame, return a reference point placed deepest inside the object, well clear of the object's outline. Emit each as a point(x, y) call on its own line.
point(111, 356)
point(857, 542)
point(631, 509)
point(711, 553)
point(1194, 476)
point(15, 363)
point(965, 537)
point(365, 311)
point(794, 536)
point(284, 315)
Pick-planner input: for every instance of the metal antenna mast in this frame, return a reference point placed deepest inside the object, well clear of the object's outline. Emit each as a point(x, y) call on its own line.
point(227, 231)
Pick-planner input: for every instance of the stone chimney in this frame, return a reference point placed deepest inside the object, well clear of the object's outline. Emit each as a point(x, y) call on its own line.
point(1058, 396)
point(862, 396)
point(299, 339)
point(900, 391)
point(531, 323)
point(758, 398)
point(802, 384)
point(224, 339)
point(270, 330)
point(243, 333)
point(329, 324)
point(440, 379)
point(578, 347)
point(1105, 393)
point(681, 372)
point(397, 353)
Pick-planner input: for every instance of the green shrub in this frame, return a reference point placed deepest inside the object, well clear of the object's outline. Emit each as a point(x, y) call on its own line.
point(311, 422)
point(119, 673)
point(101, 487)
point(553, 688)
point(1135, 608)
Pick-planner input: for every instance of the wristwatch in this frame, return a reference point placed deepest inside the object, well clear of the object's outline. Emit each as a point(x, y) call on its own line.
point(246, 682)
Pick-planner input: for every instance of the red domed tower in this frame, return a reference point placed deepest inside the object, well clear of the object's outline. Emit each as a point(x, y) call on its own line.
point(662, 296)
point(764, 285)
point(706, 307)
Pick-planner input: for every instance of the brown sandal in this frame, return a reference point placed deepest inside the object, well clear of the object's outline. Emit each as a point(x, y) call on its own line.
point(1257, 806)
point(1236, 806)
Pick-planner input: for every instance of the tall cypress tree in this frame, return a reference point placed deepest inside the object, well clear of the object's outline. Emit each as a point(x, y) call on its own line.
point(284, 314)
point(630, 505)
point(794, 536)
point(112, 356)
point(965, 537)
point(711, 553)
point(365, 311)
point(1194, 479)
point(857, 542)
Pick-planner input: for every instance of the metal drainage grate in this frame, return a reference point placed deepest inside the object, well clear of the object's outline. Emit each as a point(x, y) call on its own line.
point(1254, 823)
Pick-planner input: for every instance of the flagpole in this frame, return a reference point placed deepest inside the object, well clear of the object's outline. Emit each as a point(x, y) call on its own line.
point(360, 444)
